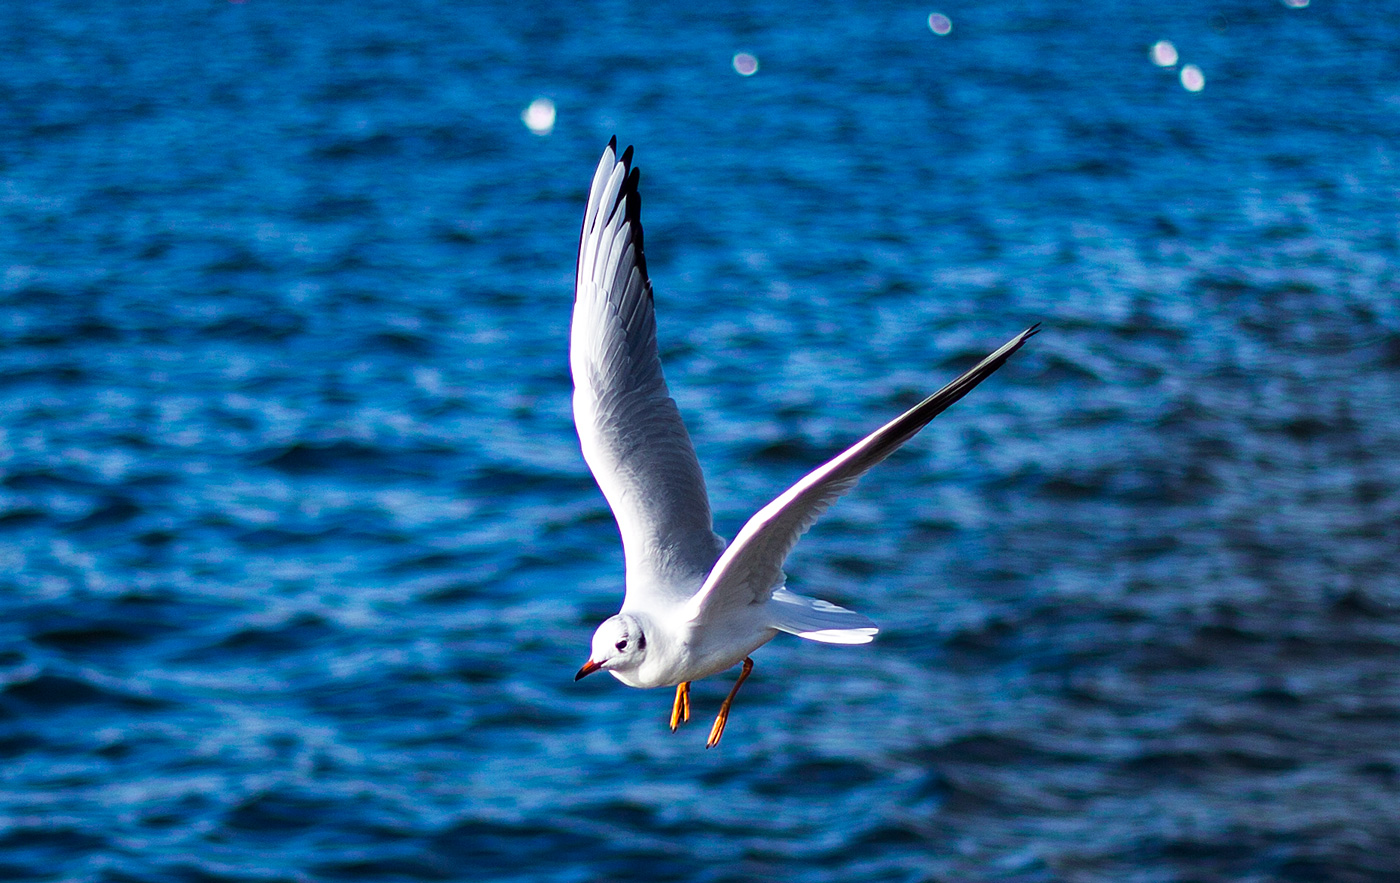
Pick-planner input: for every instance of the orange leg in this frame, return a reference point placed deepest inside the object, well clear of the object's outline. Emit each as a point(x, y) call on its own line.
point(680, 710)
point(718, 729)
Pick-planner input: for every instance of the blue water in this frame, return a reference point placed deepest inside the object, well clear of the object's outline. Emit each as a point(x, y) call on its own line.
point(298, 554)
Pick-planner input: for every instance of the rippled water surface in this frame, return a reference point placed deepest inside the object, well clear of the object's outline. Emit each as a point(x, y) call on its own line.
point(298, 554)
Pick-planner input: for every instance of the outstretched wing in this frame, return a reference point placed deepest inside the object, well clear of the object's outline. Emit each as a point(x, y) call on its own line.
point(752, 567)
point(628, 425)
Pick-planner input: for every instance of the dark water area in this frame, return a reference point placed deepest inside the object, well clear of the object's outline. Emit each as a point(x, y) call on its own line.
point(298, 554)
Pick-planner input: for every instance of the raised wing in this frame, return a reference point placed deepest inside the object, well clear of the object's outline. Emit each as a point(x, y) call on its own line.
point(628, 425)
point(752, 567)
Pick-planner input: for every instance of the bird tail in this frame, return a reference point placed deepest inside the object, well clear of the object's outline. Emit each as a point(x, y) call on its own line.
point(818, 620)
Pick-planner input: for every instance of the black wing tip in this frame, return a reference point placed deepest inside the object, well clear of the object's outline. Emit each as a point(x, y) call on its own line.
point(965, 383)
point(1017, 342)
point(625, 158)
point(632, 194)
point(1025, 336)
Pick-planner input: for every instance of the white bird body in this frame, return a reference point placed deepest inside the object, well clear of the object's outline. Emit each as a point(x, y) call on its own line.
point(680, 650)
point(693, 606)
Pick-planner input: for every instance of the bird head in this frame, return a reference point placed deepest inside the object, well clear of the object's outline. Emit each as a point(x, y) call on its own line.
point(618, 645)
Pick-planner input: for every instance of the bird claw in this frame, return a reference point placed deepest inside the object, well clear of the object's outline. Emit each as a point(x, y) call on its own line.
point(717, 730)
point(680, 709)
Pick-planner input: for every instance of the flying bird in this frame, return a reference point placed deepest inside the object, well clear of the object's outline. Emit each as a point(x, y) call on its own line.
point(693, 606)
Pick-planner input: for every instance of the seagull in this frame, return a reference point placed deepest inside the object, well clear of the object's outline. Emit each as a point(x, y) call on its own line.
point(693, 607)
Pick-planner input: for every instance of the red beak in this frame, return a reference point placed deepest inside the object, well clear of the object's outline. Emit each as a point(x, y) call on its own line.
point(589, 668)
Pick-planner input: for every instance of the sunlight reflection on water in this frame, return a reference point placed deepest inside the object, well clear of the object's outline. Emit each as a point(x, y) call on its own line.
point(539, 116)
point(1192, 79)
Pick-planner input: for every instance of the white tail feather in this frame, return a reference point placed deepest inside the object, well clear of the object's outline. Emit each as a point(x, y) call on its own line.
point(818, 620)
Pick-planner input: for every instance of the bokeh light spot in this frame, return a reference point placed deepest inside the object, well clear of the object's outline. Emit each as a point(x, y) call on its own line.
point(1164, 53)
point(745, 64)
point(539, 116)
point(940, 24)
point(1295, 4)
point(1192, 78)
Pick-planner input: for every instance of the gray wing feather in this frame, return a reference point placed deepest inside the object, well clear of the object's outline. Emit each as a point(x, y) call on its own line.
point(751, 568)
point(628, 425)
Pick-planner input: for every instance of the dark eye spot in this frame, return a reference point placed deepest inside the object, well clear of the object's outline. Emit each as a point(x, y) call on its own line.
point(641, 642)
point(622, 645)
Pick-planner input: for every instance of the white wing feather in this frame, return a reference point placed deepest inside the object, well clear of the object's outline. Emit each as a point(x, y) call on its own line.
point(752, 567)
point(628, 425)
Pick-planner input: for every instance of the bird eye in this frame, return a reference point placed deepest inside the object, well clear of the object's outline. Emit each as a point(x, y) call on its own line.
point(622, 645)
